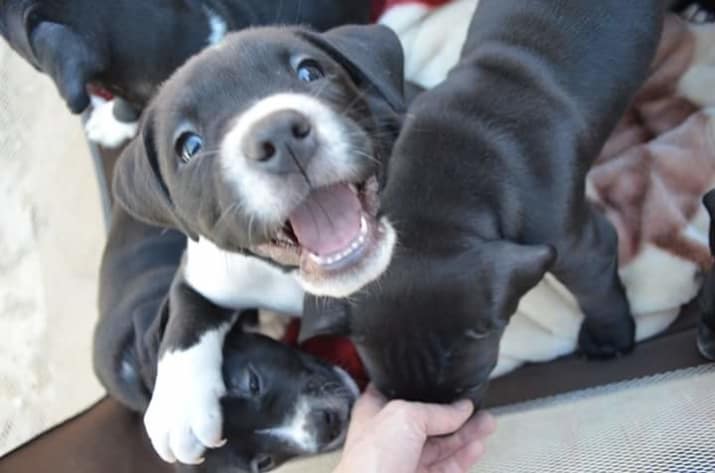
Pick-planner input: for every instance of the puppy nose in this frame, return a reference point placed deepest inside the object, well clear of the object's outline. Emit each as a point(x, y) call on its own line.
point(282, 141)
point(329, 425)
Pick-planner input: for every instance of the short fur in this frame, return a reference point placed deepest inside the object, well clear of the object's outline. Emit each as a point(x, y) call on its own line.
point(138, 268)
point(207, 198)
point(486, 189)
point(78, 42)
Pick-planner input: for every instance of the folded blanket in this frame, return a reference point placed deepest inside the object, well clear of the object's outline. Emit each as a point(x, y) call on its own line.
point(648, 180)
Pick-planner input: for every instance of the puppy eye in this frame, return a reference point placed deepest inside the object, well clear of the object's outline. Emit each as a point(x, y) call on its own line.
point(254, 384)
point(251, 383)
point(188, 145)
point(262, 463)
point(309, 70)
point(477, 334)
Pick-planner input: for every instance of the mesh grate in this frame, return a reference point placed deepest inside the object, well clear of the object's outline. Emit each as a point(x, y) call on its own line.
point(659, 424)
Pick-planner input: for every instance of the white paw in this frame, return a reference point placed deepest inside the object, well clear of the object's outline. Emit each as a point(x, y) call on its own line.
point(184, 417)
point(104, 129)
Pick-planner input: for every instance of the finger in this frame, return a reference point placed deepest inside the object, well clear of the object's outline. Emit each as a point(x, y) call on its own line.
point(434, 419)
point(366, 408)
point(461, 462)
point(477, 428)
point(369, 404)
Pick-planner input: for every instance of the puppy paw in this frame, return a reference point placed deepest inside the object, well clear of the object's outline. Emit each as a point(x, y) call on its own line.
point(604, 340)
point(184, 417)
point(104, 129)
point(706, 341)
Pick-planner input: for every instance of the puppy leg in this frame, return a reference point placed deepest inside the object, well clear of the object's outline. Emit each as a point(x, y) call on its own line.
point(588, 266)
point(706, 327)
point(184, 415)
point(706, 297)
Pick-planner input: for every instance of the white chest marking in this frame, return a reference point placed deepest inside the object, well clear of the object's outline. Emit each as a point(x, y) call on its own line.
point(238, 281)
point(104, 129)
point(217, 25)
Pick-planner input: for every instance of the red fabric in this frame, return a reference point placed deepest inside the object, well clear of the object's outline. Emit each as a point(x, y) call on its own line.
point(98, 91)
point(379, 7)
point(339, 351)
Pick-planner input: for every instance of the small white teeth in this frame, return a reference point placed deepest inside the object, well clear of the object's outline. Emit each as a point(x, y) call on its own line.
point(356, 244)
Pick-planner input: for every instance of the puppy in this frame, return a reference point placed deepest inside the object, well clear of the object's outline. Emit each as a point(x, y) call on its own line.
point(487, 192)
point(706, 297)
point(278, 402)
point(267, 151)
point(129, 47)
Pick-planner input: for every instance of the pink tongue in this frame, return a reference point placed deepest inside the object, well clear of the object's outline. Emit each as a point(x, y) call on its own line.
point(328, 221)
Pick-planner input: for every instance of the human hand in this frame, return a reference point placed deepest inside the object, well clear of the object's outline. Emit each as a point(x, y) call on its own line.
point(406, 437)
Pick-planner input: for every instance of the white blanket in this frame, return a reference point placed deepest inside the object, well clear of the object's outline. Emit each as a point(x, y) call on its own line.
point(655, 206)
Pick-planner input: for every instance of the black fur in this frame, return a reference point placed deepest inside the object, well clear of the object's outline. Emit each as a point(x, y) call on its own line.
point(706, 297)
point(131, 46)
point(139, 266)
point(365, 85)
point(487, 191)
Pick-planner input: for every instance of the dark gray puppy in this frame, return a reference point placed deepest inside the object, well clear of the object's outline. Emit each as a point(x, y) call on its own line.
point(267, 151)
point(131, 46)
point(486, 190)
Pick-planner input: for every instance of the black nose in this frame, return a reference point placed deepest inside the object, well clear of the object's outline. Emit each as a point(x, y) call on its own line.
point(282, 141)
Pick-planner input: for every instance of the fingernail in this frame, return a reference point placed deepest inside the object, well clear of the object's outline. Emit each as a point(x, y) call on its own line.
point(221, 443)
point(464, 405)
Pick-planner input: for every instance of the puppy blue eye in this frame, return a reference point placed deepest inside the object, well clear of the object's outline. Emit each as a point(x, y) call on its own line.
point(309, 71)
point(188, 145)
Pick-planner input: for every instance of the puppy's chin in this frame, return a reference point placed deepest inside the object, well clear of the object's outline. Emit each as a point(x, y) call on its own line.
point(349, 275)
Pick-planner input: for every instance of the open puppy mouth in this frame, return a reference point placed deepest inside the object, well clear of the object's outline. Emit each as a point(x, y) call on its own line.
point(330, 231)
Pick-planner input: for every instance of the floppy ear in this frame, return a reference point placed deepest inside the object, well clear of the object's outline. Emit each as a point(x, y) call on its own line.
point(513, 271)
point(371, 54)
point(323, 316)
point(67, 58)
point(138, 185)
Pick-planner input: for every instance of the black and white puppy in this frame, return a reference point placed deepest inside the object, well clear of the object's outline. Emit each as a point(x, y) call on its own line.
point(129, 47)
point(267, 150)
point(487, 191)
point(278, 402)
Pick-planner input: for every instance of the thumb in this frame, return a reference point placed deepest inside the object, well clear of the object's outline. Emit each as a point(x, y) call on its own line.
point(366, 408)
point(437, 419)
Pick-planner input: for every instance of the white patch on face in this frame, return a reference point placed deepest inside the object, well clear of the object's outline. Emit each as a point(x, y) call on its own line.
point(239, 281)
point(295, 429)
point(217, 25)
point(103, 128)
point(184, 415)
point(270, 197)
point(371, 268)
